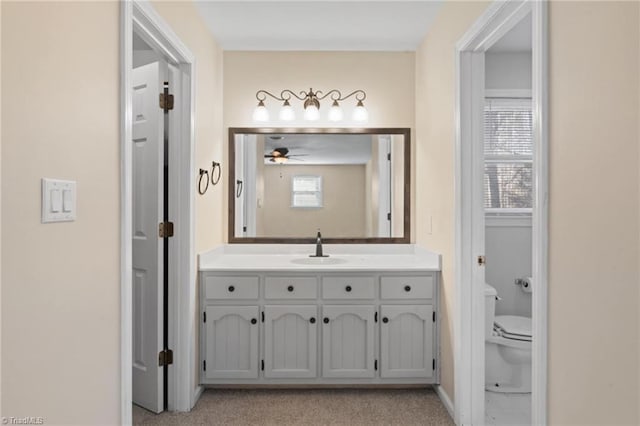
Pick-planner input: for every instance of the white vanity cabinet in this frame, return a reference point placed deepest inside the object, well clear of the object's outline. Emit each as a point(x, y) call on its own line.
point(231, 335)
point(230, 330)
point(348, 349)
point(319, 327)
point(406, 341)
point(290, 341)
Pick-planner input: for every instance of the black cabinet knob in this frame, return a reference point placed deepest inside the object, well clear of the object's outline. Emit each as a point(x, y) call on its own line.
point(348, 288)
point(407, 288)
point(312, 320)
point(385, 320)
point(231, 289)
point(290, 288)
point(326, 320)
point(253, 320)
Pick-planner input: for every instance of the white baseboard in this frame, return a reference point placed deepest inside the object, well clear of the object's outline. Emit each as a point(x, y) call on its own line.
point(446, 401)
point(197, 393)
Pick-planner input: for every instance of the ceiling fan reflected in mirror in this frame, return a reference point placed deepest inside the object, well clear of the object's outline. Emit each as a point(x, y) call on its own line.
point(281, 155)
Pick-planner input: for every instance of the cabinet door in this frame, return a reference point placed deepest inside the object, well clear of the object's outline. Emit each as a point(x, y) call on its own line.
point(347, 341)
point(231, 342)
point(290, 341)
point(406, 341)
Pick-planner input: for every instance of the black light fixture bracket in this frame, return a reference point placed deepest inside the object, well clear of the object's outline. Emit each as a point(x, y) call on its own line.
point(310, 97)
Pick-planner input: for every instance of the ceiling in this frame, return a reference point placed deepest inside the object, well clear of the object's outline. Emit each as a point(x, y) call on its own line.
point(348, 25)
point(314, 149)
point(518, 39)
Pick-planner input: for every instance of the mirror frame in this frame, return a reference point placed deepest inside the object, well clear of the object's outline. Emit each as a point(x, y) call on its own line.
point(405, 239)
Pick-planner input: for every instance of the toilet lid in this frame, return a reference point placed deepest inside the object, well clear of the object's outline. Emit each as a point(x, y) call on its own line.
point(515, 327)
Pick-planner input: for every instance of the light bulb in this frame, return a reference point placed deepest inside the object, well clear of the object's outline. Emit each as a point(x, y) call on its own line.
point(286, 112)
point(335, 112)
point(360, 113)
point(260, 113)
point(311, 113)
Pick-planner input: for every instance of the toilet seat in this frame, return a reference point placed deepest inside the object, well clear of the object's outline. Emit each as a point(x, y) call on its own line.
point(513, 327)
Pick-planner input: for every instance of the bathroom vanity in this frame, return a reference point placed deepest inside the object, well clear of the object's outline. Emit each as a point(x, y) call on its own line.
point(367, 314)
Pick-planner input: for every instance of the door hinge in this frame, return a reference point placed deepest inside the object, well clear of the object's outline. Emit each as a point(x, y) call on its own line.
point(244, 229)
point(375, 317)
point(204, 317)
point(388, 216)
point(482, 261)
point(262, 365)
point(165, 229)
point(204, 365)
point(434, 316)
point(262, 316)
point(375, 365)
point(166, 99)
point(165, 357)
point(389, 156)
point(434, 363)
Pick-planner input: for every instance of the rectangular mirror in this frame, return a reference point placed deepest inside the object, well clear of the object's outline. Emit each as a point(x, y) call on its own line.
point(352, 184)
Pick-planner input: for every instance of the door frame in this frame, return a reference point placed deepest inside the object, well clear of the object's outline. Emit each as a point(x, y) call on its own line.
point(141, 17)
point(469, 345)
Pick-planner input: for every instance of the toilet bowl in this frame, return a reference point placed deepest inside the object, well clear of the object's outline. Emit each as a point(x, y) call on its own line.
point(508, 349)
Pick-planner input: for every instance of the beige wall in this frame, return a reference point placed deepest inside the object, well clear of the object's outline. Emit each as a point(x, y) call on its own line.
point(184, 19)
point(341, 216)
point(594, 108)
point(593, 282)
point(386, 77)
point(61, 282)
point(435, 92)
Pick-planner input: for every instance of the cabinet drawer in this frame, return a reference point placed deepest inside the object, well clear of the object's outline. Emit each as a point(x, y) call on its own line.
point(348, 288)
point(230, 287)
point(406, 287)
point(290, 288)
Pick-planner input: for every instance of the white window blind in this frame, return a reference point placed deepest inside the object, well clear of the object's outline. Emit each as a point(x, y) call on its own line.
point(508, 150)
point(306, 191)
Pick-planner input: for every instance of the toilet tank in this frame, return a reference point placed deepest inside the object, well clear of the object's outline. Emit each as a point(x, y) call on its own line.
point(490, 294)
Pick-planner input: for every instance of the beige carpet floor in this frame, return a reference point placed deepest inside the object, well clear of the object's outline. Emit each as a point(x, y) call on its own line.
point(307, 407)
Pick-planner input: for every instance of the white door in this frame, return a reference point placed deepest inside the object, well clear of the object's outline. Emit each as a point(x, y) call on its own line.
point(406, 341)
point(384, 186)
point(290, 341)
point(347, 341)
point(232, 342)
point(240, 196)
point(148, 160)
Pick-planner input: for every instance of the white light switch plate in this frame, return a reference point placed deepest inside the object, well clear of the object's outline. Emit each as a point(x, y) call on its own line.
point(58, 200)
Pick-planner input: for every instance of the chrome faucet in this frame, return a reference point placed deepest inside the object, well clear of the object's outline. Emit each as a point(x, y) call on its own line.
point(319, 247)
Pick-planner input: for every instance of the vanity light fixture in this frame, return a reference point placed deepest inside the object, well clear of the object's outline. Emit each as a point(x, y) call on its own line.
point(286, 112)
point(260, 113)
point(311, 105)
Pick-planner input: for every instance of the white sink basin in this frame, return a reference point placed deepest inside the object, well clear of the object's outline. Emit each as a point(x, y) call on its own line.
point(318, 260)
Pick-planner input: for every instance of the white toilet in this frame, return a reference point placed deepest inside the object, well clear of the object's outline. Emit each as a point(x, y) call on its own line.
point(508, 349)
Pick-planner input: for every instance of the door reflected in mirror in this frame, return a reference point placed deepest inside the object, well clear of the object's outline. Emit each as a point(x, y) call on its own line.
point(352, 184)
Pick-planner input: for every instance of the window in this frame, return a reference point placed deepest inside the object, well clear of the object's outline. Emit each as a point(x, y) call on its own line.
point(306, 192)
point(508, 152)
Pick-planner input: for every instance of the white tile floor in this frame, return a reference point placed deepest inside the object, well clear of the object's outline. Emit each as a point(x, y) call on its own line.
point(507, 408)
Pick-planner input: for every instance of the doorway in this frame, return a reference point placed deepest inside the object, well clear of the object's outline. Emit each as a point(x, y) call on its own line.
point(469, 362)
point(140, 21)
